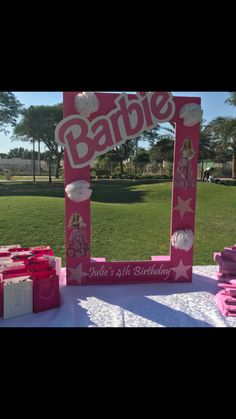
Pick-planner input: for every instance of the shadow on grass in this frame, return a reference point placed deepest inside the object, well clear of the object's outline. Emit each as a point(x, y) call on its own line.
point(117, 192)
point(120, 191)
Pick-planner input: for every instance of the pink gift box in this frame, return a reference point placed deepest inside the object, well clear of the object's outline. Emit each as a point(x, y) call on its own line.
point(226, 269)
point(46, 293)
point(225, 265)
point(229, 254)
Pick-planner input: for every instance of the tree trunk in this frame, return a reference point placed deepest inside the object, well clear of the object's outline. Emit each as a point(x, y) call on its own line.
point(39, 162)
point(202, 171)
point(234, 166)
point(57, 166)
point(50, 170)
point(33, 161)
point(121, 167)
point(58, 160)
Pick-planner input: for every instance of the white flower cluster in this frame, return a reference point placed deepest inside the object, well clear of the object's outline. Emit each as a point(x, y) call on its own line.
point(86, 103)
point(78, 191)
point(182, 239)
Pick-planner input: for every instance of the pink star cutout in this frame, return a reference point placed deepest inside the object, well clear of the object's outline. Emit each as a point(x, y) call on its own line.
point(183, 206)
point(77, 273)
point(181, 270)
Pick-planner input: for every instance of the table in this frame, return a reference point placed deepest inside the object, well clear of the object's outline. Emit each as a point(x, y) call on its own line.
point(145, 305)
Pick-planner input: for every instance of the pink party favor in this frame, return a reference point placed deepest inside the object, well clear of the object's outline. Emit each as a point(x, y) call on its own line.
point(226, 304)
point(46, 293)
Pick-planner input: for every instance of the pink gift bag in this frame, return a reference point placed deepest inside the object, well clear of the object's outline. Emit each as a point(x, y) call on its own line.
point(42, 274)
point(5, 254)
point(1, 297)
point(4, 260)
point(19, 249)
point(54, 263)
point(42, 250)
point(46, 292)
point(37, 264)
point(24, 255)
point(14, 272)
point(7, 248)
point(10, 264)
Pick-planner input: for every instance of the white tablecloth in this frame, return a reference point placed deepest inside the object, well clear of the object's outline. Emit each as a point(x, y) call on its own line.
point(158, 305)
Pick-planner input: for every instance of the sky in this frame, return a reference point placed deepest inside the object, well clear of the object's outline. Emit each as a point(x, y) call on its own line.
point(213, 105)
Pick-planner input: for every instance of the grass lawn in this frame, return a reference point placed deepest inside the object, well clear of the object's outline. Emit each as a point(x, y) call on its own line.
point(129, 220)
point(30, 178)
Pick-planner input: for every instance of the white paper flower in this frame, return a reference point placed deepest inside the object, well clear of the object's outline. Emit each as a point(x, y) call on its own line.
point(86, 103)
point(78, 191)
point(182, 239)
point(191, 114)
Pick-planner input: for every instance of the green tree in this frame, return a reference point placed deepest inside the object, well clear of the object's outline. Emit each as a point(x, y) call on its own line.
point(222, 154)
point(163, 145)
point(151, 136)
point(232, 99)
point(224, 128)
point(129, 149)
point(141, 158)
point(120, 154)
point(207, 145)
point(22, 153)
point(28, 154)
point(38, 124)
point(10, 109)
point(16, 152)
point(206, 141)
point(163, 150)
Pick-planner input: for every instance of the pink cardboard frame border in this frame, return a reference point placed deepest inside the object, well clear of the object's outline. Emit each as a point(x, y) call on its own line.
point(177, 267)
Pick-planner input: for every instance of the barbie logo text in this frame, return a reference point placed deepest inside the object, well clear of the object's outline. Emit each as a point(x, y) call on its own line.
point(84, 139)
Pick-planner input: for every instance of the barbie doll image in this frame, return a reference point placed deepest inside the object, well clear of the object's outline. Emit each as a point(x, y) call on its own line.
point(184, 178)
point(78, 244)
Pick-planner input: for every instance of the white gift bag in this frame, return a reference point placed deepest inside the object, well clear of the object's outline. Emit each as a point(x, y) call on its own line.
point(55, 263)
point(17, 296)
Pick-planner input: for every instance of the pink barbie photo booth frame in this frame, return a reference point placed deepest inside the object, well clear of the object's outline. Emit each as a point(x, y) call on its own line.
point(95, 123)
